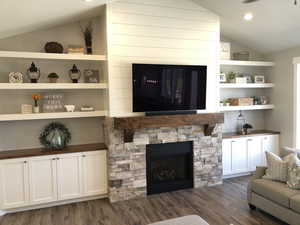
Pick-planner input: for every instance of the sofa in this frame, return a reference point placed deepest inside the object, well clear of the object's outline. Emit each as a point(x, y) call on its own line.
point(274, 197)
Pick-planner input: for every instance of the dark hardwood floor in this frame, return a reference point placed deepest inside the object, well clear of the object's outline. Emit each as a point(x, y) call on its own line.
point(220, 205)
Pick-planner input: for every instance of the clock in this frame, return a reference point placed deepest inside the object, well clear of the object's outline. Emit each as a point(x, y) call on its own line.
point(15, 77)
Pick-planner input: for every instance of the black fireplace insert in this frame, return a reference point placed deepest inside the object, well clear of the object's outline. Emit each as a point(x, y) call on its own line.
point(169, 167)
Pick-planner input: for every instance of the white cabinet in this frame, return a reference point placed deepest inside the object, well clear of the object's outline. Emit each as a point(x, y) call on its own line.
point(42, 179)
point(255, 154)
point(69, 176)
point(242, 155)
point(14, 184)
point(226, 156)
point(270, 143)
point(45, 179)
point(239, 155)
point(94, 173)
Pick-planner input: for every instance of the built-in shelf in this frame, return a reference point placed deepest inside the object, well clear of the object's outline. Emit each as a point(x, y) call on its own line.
point(266, 85)
point(246, 63)
point(52, 86)
point(245, 108)
point(45, 116)
point(51, 56)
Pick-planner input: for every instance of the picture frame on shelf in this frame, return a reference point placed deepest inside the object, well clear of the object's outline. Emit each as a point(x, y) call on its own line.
point(222, 78)
point(249, 79)
point(259, 79)
point(15, 78)
point(91, 76)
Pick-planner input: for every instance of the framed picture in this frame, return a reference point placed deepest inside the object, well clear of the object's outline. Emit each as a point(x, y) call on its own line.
point(249, 79)
point(259, 79)
point(91, 76)
point(222, 78)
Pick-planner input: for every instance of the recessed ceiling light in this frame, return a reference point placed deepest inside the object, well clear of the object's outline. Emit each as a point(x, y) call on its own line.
point(248, 16)
point(88, 0)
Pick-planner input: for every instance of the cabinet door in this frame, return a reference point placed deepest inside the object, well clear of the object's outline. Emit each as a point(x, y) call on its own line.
point(239, 156)
point(270, 143)
point(94, 173)
point(226, 156)
point(69, 174)
point(43, 181)
point(14, 183)
point(255, 152)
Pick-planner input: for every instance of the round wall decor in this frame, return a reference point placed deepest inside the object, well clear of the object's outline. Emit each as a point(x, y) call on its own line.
point(55, 136)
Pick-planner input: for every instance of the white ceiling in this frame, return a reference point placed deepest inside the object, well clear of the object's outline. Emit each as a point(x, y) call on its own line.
point(21, 16)
point(275, 27)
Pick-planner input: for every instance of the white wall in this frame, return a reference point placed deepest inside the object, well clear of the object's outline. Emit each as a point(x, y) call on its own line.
point(24, 134)
point(281, 118)
point(159, 31)
point(255, 118)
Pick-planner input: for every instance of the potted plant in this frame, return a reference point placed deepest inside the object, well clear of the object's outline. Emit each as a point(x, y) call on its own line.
point(53, 77)
point(231, 77)
point(246, 127)
point(36, 98)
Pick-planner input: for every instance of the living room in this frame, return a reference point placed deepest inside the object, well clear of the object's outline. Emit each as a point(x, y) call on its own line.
point(130, 112)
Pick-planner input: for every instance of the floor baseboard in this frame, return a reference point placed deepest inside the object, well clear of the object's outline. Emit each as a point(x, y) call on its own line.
point(2, 213)
point(52, 204)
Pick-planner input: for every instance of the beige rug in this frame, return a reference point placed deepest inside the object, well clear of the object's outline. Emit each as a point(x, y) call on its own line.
point(186, 220)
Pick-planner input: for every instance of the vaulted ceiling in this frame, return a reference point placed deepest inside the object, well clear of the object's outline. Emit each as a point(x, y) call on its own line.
point(21, 16)
point(275, 25)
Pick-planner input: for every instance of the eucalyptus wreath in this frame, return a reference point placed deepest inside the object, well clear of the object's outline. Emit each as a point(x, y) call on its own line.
point(55, 136)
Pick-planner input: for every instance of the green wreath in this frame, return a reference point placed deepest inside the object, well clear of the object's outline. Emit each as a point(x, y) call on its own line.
point(55, 136)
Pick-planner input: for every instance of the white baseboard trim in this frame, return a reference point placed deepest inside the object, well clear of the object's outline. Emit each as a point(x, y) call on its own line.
point(237, 175)
point(47, 205)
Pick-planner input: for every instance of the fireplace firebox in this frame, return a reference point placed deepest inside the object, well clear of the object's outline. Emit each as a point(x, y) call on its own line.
point(169, 167)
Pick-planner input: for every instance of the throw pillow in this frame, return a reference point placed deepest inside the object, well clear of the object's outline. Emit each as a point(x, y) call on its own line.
point(278, 168)
point(294, 177)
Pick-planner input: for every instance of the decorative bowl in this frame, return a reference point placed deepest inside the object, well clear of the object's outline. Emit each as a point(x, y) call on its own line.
point(70, 108)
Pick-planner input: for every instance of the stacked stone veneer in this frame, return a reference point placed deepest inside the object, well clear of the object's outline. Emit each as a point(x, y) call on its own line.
point(127, 161)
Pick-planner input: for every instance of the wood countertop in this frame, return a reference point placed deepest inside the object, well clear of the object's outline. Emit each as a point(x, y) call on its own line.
point(252, 134)
point(14, 154)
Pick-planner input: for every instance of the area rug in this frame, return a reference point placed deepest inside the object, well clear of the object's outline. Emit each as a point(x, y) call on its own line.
point(186, 220)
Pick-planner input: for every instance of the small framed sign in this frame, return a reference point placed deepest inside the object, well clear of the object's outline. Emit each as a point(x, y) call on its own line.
point(259, 79)
point(222, 78)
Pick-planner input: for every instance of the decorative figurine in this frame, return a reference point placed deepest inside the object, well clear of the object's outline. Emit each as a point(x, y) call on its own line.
point(33, 73)
point(74, 74)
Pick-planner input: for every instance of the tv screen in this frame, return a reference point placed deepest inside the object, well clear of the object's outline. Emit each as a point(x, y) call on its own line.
point(168, 87)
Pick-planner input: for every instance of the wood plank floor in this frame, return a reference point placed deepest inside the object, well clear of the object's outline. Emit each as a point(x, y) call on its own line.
point(221, 205)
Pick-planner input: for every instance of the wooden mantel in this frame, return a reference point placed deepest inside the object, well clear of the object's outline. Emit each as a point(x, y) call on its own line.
point(131, 124)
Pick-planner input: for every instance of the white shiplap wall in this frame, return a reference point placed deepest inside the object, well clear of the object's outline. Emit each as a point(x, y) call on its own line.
point(161, 32)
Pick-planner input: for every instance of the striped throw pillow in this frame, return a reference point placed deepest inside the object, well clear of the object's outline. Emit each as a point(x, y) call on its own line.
point(278, 168)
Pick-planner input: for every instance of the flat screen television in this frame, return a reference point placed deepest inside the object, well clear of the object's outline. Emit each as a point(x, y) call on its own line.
point(168, 87)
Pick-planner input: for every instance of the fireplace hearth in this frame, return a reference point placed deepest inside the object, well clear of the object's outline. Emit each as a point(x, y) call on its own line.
point(169, 167)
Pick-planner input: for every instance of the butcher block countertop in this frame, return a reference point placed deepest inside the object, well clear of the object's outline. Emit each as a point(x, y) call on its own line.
point(14, 154)
point(252, 134)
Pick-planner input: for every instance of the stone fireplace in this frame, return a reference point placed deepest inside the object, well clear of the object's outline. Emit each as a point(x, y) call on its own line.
point(127, 156)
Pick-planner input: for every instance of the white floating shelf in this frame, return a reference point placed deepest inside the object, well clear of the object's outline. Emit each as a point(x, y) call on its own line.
point(51, 56)
point(246, 63)
point(53, 86)
point(46, 116)
point(266, 85)
point(245, 108)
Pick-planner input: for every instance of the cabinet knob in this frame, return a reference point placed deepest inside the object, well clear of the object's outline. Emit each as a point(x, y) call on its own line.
point(54, 159)
point(83, 156)
point(25, 162)
point(57, 158)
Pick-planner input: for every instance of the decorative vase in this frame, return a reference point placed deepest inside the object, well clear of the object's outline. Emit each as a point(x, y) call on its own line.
point(74, 74)
point(33, 73)
point(36, 109)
